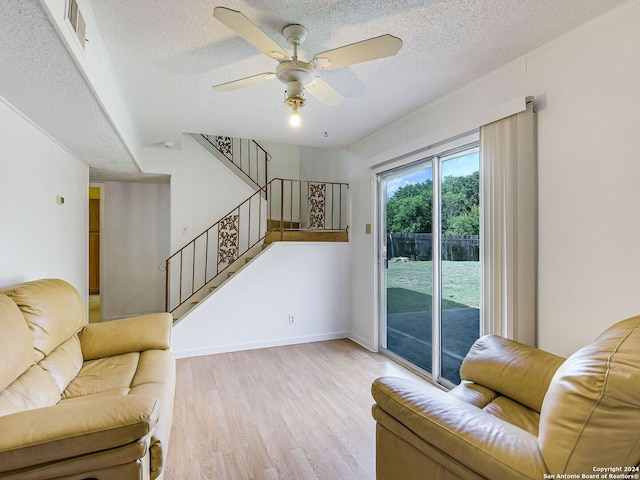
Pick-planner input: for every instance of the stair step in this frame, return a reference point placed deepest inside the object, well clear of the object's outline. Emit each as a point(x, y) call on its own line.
point(275, 224)
point(237, 266)
point(307, 236)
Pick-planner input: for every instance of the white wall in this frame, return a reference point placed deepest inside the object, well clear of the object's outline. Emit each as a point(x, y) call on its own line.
point(589, 265)
point(308, 280)
point(134, 244)
point(202, 189)
point(322, 164)
point(587, 97)
point(363, 327)
point(285, 160)
point(40, 238)
point(304, 163)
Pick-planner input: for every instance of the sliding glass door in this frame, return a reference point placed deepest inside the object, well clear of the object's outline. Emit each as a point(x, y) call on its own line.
point(459, 259)
point(430, 268)
point(408, 265)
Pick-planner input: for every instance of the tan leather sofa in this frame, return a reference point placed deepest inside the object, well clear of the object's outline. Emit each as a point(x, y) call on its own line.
point(520, 413)
point(81, 401)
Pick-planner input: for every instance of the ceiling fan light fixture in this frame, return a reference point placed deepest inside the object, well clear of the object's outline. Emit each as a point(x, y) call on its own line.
point(297, 74)
point(295, 102)
point(294, 119)
point(295, 34)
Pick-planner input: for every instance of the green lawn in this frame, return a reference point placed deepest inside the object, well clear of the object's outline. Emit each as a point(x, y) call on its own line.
point(409, 285)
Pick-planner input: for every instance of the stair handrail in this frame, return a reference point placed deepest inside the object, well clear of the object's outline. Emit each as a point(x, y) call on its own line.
point(225, 146)
point(325, 208)
point(322, 208)
point(196, 286)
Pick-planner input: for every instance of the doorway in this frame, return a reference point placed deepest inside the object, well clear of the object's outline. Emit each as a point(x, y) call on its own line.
point(430, 265)
point(95, 199)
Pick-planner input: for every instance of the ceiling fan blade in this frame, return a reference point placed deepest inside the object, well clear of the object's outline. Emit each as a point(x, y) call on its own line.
point(248, 30)
point(371, 49)
point(244, 82)
point(324, 92)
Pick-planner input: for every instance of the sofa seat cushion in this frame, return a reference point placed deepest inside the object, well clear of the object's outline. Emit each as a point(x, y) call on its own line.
point(103, 375)
point(498, 405)
point(514, 413)
point(147, 373)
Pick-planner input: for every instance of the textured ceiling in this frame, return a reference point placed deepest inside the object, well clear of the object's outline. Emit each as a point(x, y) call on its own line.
point(167, 55)
point(39, 78)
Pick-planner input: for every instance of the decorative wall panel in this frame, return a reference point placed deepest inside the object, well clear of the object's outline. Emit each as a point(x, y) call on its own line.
point(317, 201)
point(228, 240)
point(225, 145)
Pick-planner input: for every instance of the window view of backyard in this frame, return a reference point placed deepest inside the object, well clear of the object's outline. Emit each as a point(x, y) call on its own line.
point(410, 272)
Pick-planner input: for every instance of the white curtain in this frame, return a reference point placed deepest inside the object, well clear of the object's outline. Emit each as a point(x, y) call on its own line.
point(509, 226)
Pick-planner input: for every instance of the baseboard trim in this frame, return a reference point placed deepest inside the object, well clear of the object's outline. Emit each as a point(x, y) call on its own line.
point(277, 342)
point(362, 342)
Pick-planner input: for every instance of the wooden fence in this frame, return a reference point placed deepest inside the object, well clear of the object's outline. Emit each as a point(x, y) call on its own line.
point(419, 246)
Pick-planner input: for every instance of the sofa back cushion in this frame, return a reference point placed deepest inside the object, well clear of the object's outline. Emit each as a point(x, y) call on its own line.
point(33, 389)
point(64, 363)
point(53, 310)
point(16, 346)
point(591, 413)
point(23, 384)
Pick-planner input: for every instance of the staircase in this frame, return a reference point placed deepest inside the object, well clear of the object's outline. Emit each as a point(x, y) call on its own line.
point(245, 157)
point(280, 210)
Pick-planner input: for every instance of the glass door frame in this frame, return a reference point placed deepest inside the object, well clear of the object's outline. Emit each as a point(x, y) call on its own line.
point(438, 155)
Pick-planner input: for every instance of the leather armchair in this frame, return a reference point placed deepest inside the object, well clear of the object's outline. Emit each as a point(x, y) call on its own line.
point(519, 413)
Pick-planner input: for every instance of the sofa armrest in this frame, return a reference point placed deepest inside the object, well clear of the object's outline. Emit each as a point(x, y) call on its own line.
point(483, 443)
point(516, 370)
point(133, 334)
point(74, 428)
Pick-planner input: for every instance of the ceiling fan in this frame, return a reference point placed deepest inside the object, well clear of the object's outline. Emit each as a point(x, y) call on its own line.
point(296, 74)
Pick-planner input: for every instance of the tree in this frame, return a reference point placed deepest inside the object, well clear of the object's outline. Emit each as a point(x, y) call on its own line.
point(461, 204)
point(465, 224)
point(409, 210)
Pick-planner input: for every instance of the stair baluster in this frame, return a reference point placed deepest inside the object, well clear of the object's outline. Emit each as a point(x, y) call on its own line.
point(298, 210)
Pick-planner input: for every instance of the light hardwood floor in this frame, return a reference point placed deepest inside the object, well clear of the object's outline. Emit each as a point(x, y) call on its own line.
point(296, 412)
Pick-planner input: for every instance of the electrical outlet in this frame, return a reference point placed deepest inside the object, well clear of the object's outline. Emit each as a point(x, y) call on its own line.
point(292, 319)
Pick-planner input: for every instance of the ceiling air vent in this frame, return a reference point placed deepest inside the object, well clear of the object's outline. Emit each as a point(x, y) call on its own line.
point(77, 21)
